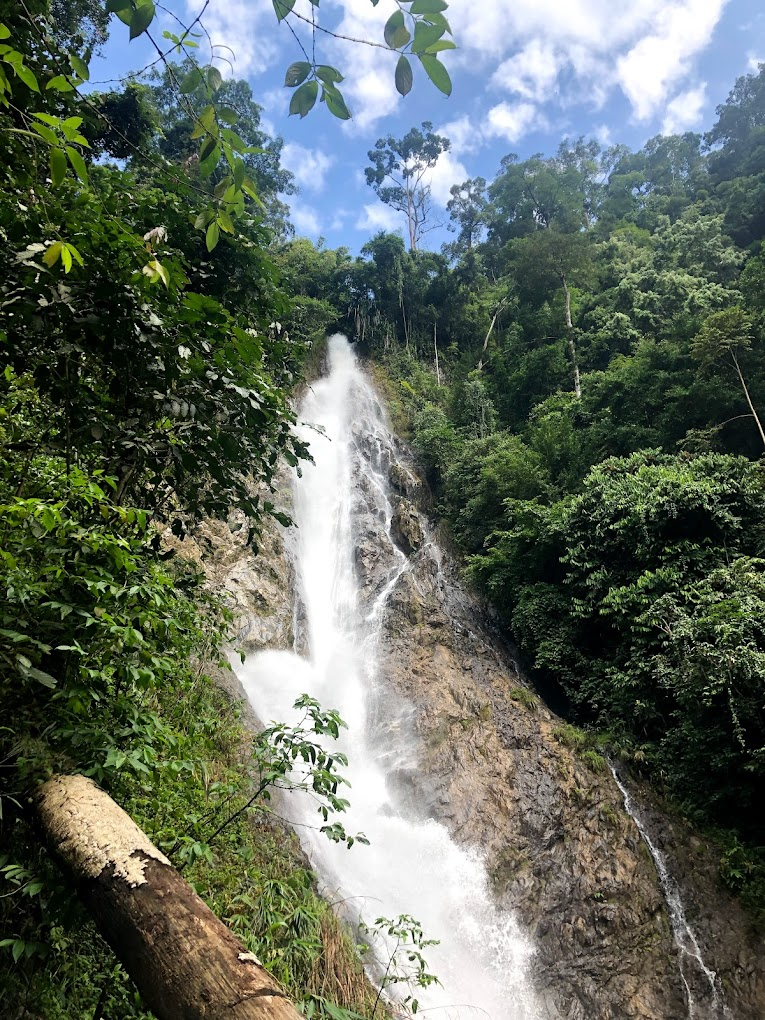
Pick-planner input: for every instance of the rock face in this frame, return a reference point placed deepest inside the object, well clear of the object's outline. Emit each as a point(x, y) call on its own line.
point(502, 772)
point(496, 766)
point(257, 581)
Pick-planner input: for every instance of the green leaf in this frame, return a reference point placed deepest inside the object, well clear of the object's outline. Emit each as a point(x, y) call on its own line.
point(425, 36)
point(27, 76)
point(227, 115)
point(297, 73)
point(48, 118)
point(60, 83)
point(79, 66)
point(240, 172)
point(53, 252)
point(66, 258)
point(404, 77)
point(304, 98)
point(78, 163)
point(213, 233)
point(142, 17)
point(437, 73)
point(207, 119)
point(18, 950)
point(396, 33)
point(57, 166)
point(335, 103)
point(204, 218)
point(122, 8)
point(428, 6)
point(74, 253)
point(214, 78)
point(210, 162)
point(192, 81)
point(45, 132)
point(5, 32)
point(225, 222)
point(283, 8)
point(329, 75)
point(441, 44)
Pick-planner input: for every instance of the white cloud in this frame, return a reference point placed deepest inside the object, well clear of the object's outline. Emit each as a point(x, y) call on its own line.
point(535, 50)
point(338, 221)
point(532, 73)
point(305, 218)
point(377, 216)
point(241, 29)
point(512, 121)
point(753, 62)
point(447, 171)
point(309, 166)
point(369, 88)
point(603, 135)
point(685, 111)
point(464, 134)
point(660, 59)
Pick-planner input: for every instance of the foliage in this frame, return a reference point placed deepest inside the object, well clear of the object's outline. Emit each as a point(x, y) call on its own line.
point(144, 382)
point(398, 171)
point(616, 523)
point(402, 941)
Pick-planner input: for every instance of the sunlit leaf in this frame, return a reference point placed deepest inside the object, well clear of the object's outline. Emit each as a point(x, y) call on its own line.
point(437, 73)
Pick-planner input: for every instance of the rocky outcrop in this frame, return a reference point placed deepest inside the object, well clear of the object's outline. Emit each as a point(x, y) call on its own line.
point(502, 772)
point(499, 769)
point(254, 574)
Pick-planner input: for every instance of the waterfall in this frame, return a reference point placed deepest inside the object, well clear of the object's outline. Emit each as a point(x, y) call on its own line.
point(699, 980)
point(411, 866)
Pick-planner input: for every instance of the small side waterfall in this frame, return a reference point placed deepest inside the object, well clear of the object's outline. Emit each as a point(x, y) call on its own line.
point(700, 981)
point(410, 867)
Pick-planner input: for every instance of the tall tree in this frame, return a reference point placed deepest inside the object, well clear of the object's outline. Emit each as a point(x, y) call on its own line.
point(723, 337)
point(399, 172)
point(466, 209)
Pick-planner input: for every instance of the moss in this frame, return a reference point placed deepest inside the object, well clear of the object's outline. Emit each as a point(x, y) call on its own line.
point(523, 696)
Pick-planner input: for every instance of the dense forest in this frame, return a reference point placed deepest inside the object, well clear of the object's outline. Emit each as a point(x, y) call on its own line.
point(580, 371)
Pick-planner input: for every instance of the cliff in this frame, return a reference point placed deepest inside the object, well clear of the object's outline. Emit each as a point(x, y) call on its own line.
point(504, 774)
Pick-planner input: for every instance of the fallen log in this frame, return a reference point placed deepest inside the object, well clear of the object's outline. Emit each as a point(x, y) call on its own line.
point(185, 962)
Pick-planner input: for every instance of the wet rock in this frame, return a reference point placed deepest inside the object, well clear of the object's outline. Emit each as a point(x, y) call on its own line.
point(406, 527)
point(489, 763)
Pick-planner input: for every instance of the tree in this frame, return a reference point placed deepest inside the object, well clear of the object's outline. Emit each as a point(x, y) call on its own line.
point(466, 209)
point(551, 255)
point(404, 164)
point(178, 114)
point(724, 335)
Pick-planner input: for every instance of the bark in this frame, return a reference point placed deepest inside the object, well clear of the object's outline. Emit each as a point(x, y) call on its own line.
point(570, 336)
point(186, 964)
point(492, 324)
point(435, 349)
point(748, 398)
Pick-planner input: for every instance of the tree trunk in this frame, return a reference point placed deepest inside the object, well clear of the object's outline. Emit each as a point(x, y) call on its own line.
point(492, 324)
point(410, 219)
point(570, 335)
point(435, 349)
point(748, 398)
point(186, 964)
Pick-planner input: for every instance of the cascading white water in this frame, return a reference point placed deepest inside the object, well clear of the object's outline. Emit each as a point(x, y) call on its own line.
point(410, 867)
point(707, 1004)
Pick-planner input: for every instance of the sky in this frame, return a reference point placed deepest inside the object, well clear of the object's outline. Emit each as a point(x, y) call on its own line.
point(526, 75)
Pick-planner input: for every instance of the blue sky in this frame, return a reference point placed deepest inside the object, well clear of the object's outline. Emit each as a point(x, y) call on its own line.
point(527, 74)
